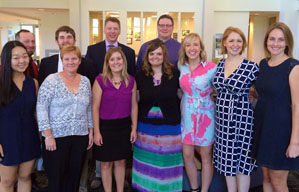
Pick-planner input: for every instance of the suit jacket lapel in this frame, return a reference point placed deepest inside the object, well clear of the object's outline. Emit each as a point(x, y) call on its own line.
point(54, 64)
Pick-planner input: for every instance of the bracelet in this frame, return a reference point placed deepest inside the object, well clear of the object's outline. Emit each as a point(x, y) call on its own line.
point(46, 138)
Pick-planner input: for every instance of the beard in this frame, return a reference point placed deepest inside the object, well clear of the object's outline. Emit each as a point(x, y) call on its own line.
point(30, 53)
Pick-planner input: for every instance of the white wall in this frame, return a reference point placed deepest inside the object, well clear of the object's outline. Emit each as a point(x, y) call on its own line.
point(247, 5)
point(48, 25)
point(4, 27)
point(290, 15)
point(222, 20)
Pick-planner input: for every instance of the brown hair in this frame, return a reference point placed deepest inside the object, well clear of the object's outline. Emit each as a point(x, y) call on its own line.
point(66, 29)
point(166, 66)
point(165, 16)
point(112, 19)
point(226, 33)
point(107, 73)
point(69, 49)
point(287, 36)
point(188, 39)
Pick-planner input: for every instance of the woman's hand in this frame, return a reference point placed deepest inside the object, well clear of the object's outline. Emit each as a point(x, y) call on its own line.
point(97, 139)
point(1, 152)
point(292, 151)
point(133, 136)
point(50, 143)
point(90, 139)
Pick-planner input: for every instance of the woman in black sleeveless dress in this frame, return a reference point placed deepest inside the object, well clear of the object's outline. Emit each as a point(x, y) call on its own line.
point(276, 136)
point(18, 129)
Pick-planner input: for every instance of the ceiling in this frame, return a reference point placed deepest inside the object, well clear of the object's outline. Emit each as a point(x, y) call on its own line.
point(26, 14)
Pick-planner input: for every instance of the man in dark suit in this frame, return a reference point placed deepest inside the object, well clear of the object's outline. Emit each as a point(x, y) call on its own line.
point(97, 52)
point(64, 35)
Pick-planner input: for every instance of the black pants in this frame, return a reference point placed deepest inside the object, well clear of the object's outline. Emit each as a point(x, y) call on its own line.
point(63, 166)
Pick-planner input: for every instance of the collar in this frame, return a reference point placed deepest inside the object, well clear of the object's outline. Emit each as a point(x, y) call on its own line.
point(60, 65)
point(107, 43)
point(170, 39)
point(203, 63)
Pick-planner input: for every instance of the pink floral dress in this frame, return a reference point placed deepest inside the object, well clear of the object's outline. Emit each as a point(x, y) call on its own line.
point(197, 107)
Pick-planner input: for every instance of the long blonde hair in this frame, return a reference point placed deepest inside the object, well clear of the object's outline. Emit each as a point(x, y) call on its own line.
point(107, 73)
point(188, 39)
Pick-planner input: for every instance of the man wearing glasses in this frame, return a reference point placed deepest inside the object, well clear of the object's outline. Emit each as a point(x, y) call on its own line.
point(165, 29)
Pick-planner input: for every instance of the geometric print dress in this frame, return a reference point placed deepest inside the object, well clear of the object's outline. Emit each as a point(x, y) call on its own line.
point(234, 119)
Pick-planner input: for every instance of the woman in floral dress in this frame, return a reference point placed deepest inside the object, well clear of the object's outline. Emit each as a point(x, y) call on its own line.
point(197, 108)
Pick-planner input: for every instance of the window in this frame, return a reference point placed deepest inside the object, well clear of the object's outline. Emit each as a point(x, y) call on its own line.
point(35, 30)
point(95, 27)
point(96, 24)
point(187, 24)
point(134, 30)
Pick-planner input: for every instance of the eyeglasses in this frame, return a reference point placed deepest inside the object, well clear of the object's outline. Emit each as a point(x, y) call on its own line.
point(165, 25)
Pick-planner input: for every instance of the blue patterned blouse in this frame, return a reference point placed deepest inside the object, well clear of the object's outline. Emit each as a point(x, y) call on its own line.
point(62, 111)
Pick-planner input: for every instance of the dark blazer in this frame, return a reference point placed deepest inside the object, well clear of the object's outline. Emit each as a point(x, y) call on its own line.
point(96, 53)
point(49, 65)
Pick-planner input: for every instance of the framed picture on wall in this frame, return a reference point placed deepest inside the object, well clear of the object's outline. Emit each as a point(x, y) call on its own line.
point(129, 31)
point(175, 36)
point(185, 32)
point(218, 37)
point(129, 41)
point(137, 36)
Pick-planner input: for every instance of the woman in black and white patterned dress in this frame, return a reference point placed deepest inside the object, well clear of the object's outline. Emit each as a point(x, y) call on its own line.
point(234, 115)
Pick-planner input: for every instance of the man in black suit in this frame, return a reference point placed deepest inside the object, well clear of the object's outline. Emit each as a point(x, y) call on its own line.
point(96, 53)
point(64, 35)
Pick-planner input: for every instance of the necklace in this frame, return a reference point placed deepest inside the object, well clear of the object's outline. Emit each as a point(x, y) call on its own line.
point(116, 82)
point(156, 81)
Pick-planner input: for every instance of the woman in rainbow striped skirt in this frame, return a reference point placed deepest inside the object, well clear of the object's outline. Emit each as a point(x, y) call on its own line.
point(157, 159)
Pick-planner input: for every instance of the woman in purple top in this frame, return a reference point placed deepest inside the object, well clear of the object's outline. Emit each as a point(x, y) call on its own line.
point(114, 112)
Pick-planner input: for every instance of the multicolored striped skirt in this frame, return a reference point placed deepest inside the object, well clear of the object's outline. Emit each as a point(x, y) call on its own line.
point(157, 158)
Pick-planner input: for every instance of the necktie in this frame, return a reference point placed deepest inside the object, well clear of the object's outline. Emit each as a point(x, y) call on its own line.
point(110, 46)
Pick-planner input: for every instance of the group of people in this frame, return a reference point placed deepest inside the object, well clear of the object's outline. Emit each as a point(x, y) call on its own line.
point(165, 109)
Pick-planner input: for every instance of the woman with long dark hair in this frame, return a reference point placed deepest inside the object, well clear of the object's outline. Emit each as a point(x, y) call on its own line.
point(18, 130)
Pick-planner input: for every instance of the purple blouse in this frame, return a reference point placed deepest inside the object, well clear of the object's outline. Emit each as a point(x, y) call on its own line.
point(115, 103)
